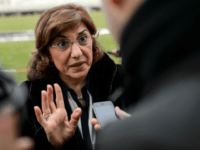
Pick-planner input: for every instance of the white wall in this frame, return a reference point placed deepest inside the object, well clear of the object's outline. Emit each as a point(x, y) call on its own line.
point(27, 5)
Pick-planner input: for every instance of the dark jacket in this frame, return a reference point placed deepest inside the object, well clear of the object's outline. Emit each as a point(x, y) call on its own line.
point(105, 78)
point(161, 56)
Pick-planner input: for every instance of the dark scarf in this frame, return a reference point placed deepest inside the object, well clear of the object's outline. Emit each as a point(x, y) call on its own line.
point(162, 34)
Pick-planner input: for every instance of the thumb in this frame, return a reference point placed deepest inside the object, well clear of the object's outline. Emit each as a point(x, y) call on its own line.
point(75, 118)
point(120, 113)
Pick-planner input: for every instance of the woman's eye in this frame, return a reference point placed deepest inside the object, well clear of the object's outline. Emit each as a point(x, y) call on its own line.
point(82, 39)
point(61, 44)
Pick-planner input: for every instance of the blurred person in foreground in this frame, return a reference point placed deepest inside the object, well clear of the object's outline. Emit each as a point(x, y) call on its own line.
point(69, 61)
point(160, 47)
point(12, 100)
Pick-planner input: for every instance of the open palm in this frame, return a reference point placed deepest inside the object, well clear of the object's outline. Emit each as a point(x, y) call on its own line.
point(57, 127)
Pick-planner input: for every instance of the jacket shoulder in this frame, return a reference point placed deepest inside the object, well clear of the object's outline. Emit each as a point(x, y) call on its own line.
point(26, 83)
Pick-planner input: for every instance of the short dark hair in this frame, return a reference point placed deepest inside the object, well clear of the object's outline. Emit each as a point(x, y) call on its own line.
point(51, 23)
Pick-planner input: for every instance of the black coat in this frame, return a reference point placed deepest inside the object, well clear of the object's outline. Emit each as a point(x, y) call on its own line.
point(161, 56)
point(105, 78)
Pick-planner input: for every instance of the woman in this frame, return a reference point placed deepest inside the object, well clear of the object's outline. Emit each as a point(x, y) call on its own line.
point(68, 59)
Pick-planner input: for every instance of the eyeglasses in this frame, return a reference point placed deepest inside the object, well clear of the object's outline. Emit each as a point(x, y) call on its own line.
point(66, 45)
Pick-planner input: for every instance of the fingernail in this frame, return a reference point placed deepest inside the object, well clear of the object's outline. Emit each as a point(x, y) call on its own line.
point(117, 107)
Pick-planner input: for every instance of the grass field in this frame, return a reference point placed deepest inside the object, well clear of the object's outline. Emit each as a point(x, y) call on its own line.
point(16, 55)
point(10, 24)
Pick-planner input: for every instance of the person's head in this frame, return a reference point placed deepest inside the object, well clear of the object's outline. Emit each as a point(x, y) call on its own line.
point(118, 13)
point(12, 100)
point(56, 33)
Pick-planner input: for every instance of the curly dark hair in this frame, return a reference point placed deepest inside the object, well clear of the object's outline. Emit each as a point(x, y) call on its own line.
point(51, 23)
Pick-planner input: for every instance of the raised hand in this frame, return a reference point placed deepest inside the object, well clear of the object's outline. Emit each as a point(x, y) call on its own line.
point(54, 119)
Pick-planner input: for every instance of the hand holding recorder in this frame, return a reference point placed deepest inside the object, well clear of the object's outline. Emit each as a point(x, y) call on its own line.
point(106, 113)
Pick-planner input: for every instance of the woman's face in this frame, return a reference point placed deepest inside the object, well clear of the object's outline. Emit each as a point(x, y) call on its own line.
point(73, 62)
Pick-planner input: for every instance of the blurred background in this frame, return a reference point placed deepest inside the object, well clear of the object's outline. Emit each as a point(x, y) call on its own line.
point(18, 19)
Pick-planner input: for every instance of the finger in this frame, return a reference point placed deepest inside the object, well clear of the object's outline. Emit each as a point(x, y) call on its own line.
point(59, 97)
point(122, 114)
point(94, 121)
point(97, 127)
point(75, 117)
point(45, 105)
point(52, 105)
point(39, 116)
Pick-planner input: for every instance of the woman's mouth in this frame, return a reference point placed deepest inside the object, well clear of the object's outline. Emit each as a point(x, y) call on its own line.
point(77, 64)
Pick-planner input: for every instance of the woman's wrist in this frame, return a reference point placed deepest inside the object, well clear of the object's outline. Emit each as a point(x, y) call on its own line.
point(56, 144)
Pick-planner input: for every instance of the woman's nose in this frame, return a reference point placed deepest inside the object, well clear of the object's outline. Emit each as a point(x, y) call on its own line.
point(75, 50)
